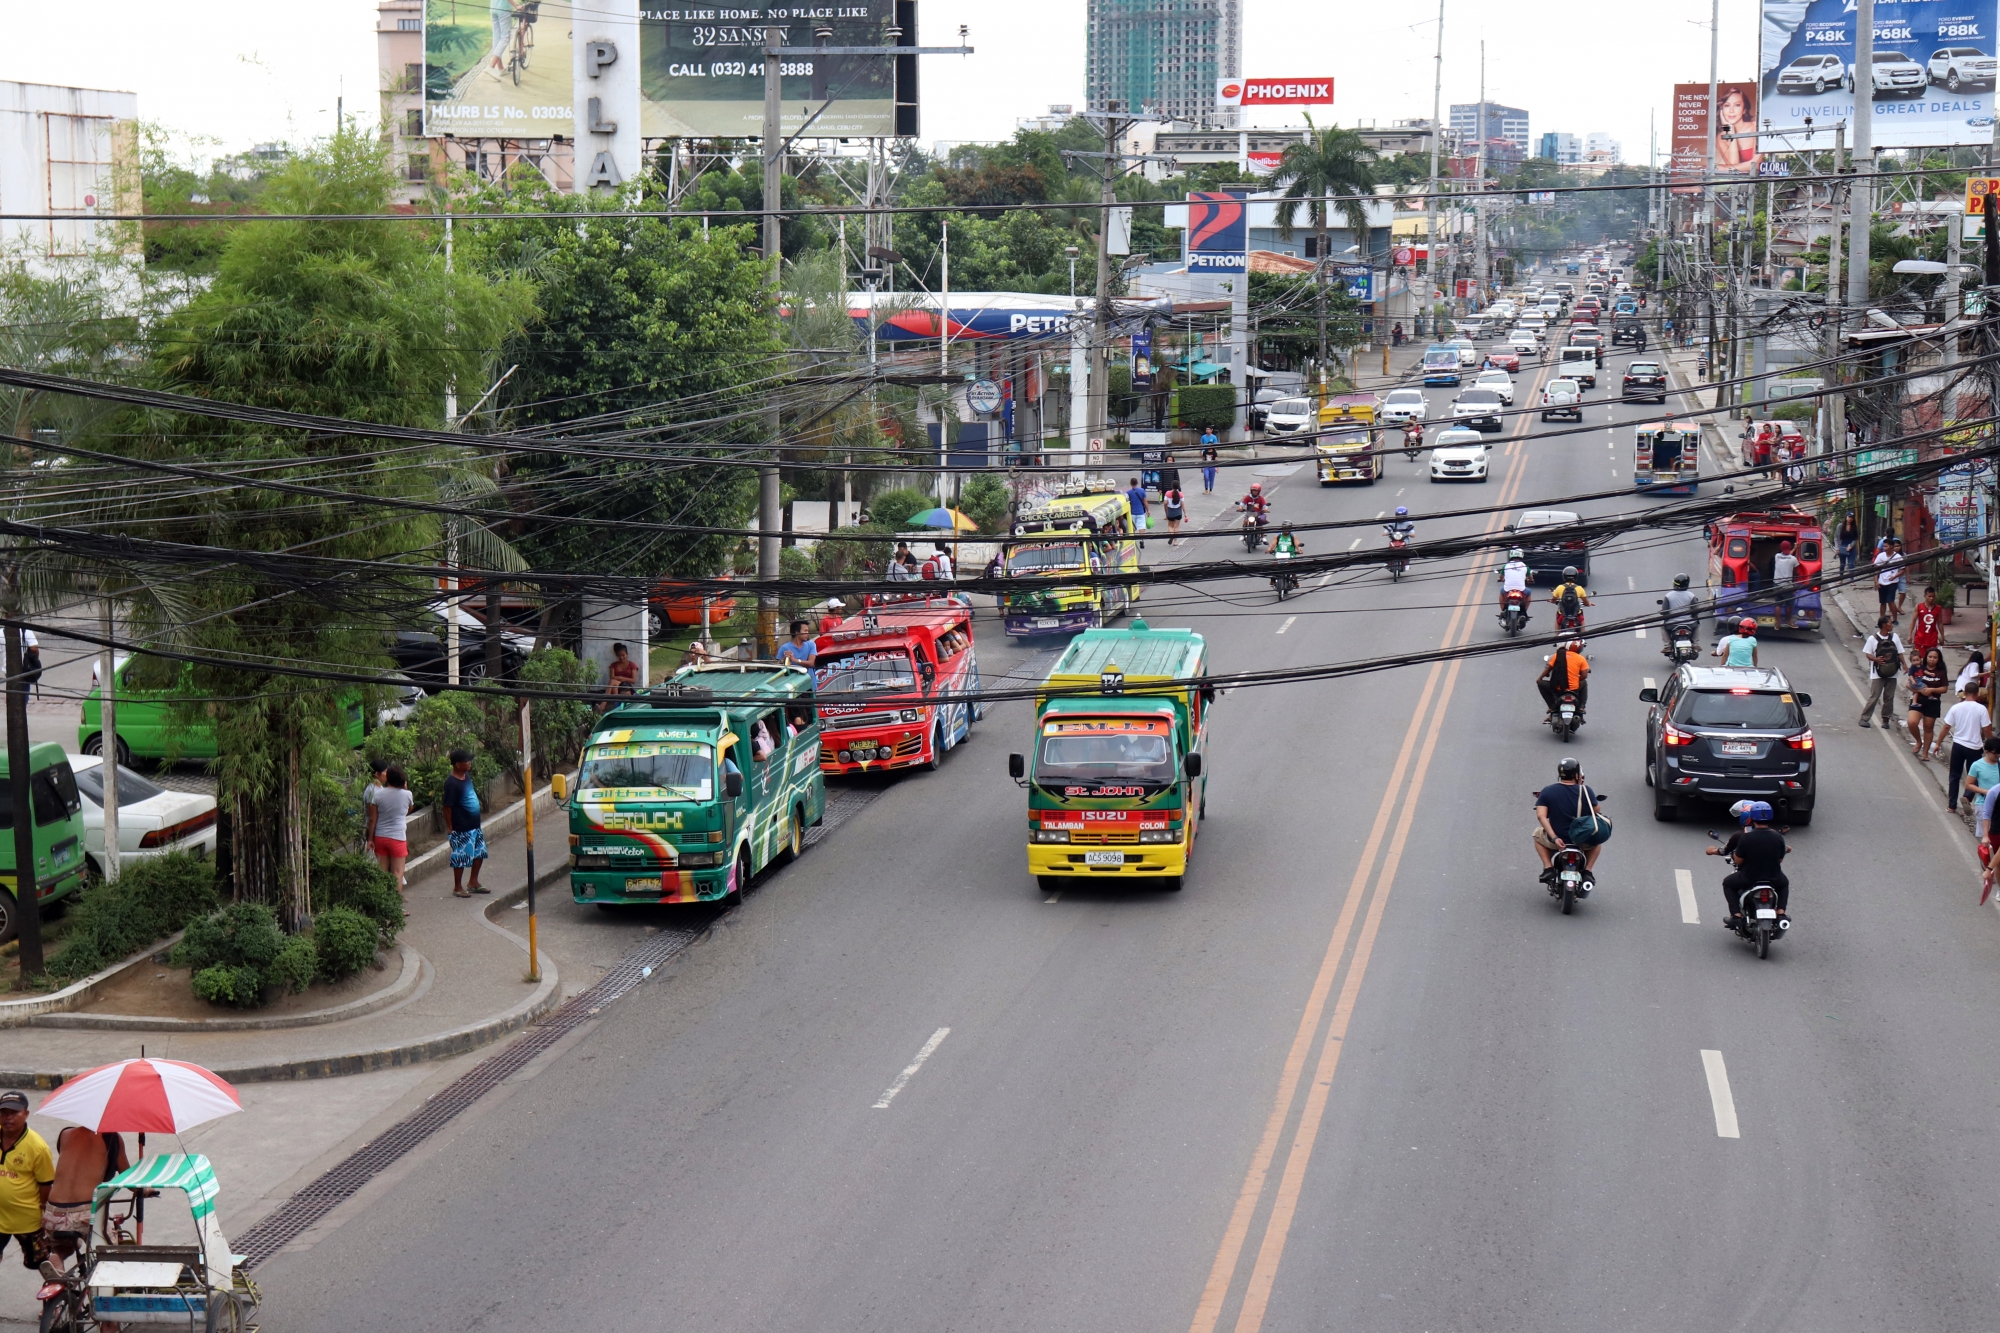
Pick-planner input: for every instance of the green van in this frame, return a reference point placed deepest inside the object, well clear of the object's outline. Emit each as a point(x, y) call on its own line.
point(58, 832)
point(146, 726)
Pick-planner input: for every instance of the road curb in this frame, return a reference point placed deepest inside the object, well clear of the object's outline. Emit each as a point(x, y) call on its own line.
point(20, 1013)
point(395, 992)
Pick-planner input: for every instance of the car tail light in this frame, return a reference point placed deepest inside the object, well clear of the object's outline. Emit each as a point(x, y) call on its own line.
point(1802, 741)
point(172, 833)
point(1673, 735)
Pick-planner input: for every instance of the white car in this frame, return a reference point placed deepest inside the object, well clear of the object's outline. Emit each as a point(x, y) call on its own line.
point(1468, 351)
point(1894, 73)
point(1479, 408)
point(1562, 398)
point(1405, 405)
point(152, 821)
point(1289, 416)
point(1459, 455)
point(1499, 381)
point(1526, 343)
point(1959, 67)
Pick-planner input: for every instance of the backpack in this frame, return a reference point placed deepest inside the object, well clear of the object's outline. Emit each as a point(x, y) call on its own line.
point(1894, 665)
point(930, 569)
point(1571, 604)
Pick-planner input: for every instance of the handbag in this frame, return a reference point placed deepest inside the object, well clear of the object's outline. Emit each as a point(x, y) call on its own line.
point(1591, 825)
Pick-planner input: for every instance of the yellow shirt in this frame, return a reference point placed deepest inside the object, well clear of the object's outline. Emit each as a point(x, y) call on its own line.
point(24, 1169)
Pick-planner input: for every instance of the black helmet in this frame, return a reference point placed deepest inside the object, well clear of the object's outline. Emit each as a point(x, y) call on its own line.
point(1569, 769)
point(1569, 571)
point(1680, 580)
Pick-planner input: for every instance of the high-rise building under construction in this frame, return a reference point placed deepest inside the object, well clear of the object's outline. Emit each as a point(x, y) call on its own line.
point(1163, 56)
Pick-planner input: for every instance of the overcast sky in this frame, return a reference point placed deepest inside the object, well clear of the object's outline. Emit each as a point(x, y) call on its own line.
point(249, 71)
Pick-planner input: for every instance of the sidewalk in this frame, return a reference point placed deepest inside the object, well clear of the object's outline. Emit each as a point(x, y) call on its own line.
point(471, 991)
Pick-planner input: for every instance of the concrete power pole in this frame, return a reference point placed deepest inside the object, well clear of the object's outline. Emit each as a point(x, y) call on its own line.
point(1432, 248)
point(1862, 198)
point(770, 522)
point(1100, 331)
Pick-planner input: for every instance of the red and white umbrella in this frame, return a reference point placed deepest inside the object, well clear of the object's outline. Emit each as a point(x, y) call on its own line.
point(142, 1096)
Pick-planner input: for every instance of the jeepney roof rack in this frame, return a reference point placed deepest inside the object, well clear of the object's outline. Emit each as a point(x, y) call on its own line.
point(1089, 486)
point(1790, 514)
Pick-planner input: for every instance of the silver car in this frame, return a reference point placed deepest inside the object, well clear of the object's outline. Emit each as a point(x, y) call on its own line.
point(1894, 73)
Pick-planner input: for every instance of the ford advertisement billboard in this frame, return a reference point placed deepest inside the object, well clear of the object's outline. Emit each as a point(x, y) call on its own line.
point(1931, 80)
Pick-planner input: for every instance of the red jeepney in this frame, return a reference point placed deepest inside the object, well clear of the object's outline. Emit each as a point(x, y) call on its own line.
point(1740, 551)
point(911, 681)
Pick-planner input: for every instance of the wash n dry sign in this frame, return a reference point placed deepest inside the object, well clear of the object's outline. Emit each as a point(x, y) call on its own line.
point(1274, 92)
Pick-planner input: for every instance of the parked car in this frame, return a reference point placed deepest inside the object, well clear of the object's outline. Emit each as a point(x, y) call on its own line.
point(421, 653)
point(1459, 454)
point(1958, 67)
point(1405, 405)
point(1894, 72)
point(1812, 74)
point(147, 725)
point(1727, 734)
point(1499, 381)
point(1477, 408)
point(1645, 381)
point(152, 820)
point(1563, 398)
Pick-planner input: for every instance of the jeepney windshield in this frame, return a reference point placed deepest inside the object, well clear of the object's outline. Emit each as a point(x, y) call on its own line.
point(670, 770)
point(1041, 556)
point(1350, 437)
point(1096, 750)
point(869, 669)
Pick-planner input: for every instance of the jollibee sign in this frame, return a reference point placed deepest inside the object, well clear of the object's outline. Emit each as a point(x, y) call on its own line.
point(1274, 92)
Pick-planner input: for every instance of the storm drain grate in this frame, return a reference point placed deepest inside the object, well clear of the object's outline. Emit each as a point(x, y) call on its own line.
point(292, 1218)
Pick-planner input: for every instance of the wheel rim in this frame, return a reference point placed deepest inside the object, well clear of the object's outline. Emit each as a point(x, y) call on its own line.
point(798, 834)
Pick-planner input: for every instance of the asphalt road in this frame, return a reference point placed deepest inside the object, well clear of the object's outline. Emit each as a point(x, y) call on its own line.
point(1359, 1074)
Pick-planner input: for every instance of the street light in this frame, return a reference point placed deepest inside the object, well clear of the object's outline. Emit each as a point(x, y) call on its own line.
point(1070, 250)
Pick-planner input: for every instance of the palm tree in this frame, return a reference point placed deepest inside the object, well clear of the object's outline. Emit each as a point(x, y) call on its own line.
point(1329, 170)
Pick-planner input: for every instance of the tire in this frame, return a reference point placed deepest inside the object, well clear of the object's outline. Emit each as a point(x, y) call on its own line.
point(95, 745)
point(1172, 883)
point(10, 918)
point(1951, 81)
point(936, 761)
point(58, 1316)
point(734, 898)
point(795, 838)
point(1819, 87)
point(1800, 818)
point(1048, 883)
point(1569, 900)
point(1666, 809)
point(1763, 942)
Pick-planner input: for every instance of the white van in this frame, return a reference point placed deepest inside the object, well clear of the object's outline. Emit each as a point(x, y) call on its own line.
point(1580, 364)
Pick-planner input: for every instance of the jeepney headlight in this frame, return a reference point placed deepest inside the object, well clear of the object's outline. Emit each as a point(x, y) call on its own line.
point(845, 756)
point(884, 752)
point(591, 862)
point(908, 715)
point(697, 859)
point(1051, 835)
point(1159, 835)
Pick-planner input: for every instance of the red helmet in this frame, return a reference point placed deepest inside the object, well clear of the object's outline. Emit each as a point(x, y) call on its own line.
point(1746, 624)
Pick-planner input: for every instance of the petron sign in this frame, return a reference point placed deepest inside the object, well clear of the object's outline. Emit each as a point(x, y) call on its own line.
point(1218, 232)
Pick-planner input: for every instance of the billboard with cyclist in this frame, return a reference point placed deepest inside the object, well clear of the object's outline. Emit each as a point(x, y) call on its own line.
point(703, 76)
point(497, 68)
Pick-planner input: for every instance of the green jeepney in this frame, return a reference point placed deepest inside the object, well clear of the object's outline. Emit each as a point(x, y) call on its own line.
point(58, 825)
point(686, 794)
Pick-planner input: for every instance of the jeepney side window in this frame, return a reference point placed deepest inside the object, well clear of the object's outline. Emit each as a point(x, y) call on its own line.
point(766, 735)
point(799, 718)
point(725, 762)
point(1808, 549)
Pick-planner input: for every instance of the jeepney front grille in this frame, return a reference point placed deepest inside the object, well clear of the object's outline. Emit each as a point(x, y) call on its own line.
point(1104, 837)
point(909, 746)
point(855, 721)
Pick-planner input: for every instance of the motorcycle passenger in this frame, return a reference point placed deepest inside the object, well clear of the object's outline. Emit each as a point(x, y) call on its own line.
point(1556, 808)
point(1759, 853)
point(1401, 527)
point(1567, 670)
point(1679, 607)
point(1570, 597)
point(1739, 649)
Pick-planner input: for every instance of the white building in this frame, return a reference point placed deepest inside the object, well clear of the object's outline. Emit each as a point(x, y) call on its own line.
point(71, 154)
point(1601, 147)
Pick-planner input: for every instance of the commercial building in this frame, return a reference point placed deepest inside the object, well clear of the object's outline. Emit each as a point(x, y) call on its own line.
point(1163, 56)
point(72, 154)
point(1601, 147)
point(1565, 149)
point(1473, 121)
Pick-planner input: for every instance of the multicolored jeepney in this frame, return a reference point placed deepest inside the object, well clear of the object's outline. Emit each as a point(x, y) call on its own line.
point(687, 793)
point(1666, 457)
point(1085, 529)
point(1742, 550)
point(1346, 446)
point(1115, 782)
point(900, 686)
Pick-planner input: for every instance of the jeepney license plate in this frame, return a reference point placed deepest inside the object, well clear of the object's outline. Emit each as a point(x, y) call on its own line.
point(1739, 747)
point(642, 886)
point(1104, 858)
point(1046, 622)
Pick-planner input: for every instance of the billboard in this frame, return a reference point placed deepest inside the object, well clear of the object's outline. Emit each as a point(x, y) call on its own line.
point(497, 70)
point(1231, 92)
point(1736, 113)
point(702, 76)
point(1218, 232)
point(1932, 80)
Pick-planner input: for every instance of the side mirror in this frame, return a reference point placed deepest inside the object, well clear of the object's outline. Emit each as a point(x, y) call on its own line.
point(1191, 765)
point(1017, 766)
point(1805, 700)
point(559, 786)
point(1649, 695)
point(732, 785)
point(1508, 528)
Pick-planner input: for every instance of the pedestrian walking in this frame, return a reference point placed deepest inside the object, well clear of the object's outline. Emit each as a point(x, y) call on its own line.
point(1902, 574)
point(1929, 680)
point(468, 838)
point(1208, 460)
point(1885, 654)
point(1847, 540)
point(26, 1173)
point(1926, 624)
point(1886, 575)
point(389, 824)
point(1971, 726)
point(1135, 495)
point(1983, 775)
point(1175, 504)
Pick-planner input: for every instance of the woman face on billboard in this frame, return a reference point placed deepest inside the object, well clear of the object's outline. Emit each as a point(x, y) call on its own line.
point(1732, 116)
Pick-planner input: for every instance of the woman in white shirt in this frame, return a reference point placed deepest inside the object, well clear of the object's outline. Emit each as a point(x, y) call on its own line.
point(392, 824)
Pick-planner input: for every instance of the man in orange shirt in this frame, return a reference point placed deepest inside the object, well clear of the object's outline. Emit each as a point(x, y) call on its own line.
point(1568, 669)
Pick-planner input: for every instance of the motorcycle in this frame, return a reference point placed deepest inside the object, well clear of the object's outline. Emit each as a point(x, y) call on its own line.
point(1757, 919)
point(1568, 884)
point(1253, 531)
point(1514, 612)
point(1680, 646)
point(1568, 715)
point(1567, 625)
point(1399, 557)
point(1283, 581)
point(1413, 441)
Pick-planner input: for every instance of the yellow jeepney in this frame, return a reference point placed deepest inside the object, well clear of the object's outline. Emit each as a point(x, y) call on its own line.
point(1085, 529)
point(1346, 447)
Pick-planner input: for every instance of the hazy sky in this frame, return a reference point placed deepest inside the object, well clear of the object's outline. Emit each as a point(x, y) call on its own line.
point(248, 71)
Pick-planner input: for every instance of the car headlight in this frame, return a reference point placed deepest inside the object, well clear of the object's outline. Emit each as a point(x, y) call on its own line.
point(1159, 835)
point(1050, 835)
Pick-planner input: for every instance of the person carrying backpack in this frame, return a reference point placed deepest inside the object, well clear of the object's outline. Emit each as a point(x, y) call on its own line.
point(1569, 599)
point(1885, 654)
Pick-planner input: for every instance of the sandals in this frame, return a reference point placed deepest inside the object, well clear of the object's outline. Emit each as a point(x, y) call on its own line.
point(461, 893)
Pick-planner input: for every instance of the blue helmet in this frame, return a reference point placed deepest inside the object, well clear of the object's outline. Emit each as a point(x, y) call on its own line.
point(1402, 511)
point(1760, 813)
point(1742, 811)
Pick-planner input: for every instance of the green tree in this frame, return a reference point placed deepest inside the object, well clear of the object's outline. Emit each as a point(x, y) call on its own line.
point(350, 319)
point(1329, 170)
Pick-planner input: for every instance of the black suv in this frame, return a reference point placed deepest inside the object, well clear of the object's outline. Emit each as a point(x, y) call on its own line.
point(421, 653)
point(1628, 330)
point(1729, 733)
point(1644, 380)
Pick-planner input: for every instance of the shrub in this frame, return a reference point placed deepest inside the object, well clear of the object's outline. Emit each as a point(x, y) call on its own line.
point(560, 725)
point(152, 898)
point(358, 883)
point(986, 501)
point(1211, 406)
point(298, 960)
point(438, 725)
point(344, 941)
point(836, 560)
point(891, 509)
point(242, 987)
point(236, 953)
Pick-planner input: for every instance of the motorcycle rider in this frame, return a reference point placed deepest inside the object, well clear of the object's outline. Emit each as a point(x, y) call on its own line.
point(1514, 582)
point(1567, 669)
point(1256, 509)
point(1401, 527)
point(1570, 597)
point(1679, 608)
point(1759, 853)
point(1413, 437)
point(1556, 808)
point(1286, 543)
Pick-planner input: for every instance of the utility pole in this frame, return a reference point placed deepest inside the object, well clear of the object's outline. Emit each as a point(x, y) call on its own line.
point(1431, 246)
point(1100, 337)
point(770, 522)
point(1708, 200)
point(1836, 404)
point(1861, 193)
point(1481, 255)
